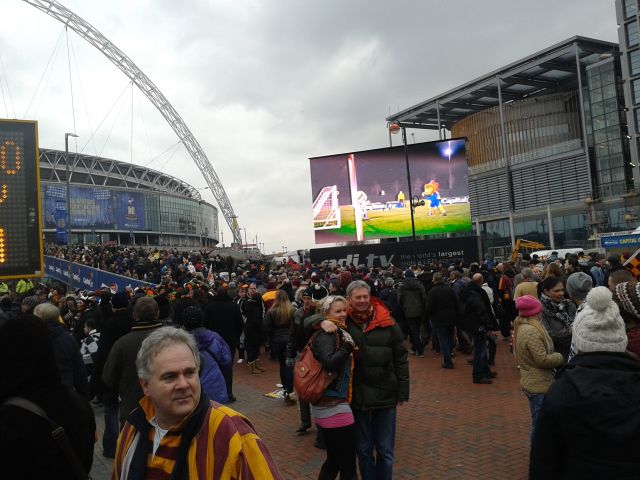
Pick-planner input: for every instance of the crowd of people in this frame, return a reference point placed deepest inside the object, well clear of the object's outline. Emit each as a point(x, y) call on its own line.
point(160, 359)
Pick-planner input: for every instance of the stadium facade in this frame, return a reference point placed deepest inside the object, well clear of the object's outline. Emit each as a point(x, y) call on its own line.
point(548, 146)
point(121, 202)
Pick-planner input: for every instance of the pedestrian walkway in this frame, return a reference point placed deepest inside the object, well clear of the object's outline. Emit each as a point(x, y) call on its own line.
point(450, 429)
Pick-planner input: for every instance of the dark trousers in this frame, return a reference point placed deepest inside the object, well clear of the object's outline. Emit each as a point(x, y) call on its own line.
point(341, 453)
point(253, 351)
point(491, 348)
point(414, 334)
point(480, 362)
point(445, 340)
point(111, 424)
point(286, 373)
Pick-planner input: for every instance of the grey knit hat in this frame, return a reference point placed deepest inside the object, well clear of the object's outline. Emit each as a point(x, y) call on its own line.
point(599, 326)
point(579, 284)
point(31, 302)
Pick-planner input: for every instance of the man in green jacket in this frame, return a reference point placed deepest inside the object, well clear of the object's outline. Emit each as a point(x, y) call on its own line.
point(380, 378)
point(119, 373)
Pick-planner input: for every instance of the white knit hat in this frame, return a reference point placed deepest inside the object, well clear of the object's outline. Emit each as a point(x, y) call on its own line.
point(599, 326)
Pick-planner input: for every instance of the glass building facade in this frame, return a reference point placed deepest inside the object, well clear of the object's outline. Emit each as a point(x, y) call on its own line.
point(629, 62)
point(548, 143)
point(123, 203)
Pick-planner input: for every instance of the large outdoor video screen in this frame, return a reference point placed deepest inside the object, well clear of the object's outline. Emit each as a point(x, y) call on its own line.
point(366, 195)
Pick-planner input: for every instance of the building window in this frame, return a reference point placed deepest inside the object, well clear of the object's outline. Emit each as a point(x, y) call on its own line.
point(630, 8)
point(634, 62)
point(632, 34)
point(635, 86)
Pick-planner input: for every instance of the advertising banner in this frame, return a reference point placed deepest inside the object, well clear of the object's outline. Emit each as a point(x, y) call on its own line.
point(366, 195)
point(86, 278)
point(130, 211)
point(400, 254)
point(90, 207)
point(632, 242)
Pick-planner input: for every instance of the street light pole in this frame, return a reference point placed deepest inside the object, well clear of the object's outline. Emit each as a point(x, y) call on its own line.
point(68, 219)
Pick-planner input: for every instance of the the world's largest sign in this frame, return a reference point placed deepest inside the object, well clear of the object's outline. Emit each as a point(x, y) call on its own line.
point(20, 215)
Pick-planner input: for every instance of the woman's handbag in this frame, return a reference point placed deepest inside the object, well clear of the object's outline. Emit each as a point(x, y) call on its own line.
point(310, 380)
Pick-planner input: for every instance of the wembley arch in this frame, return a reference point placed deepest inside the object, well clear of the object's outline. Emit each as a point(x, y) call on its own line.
point(87, 32)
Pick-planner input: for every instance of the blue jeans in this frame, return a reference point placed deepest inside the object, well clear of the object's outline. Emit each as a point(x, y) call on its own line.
point(535, 405)
point(445, 339)
point(480, 362)
point(375, 429)
point(111, 423)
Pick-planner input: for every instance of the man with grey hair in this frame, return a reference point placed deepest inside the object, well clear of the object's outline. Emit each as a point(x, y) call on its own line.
point(528, 284)
point(177, 430)
point(380, 378)
point(119, 373)
point(68, 358)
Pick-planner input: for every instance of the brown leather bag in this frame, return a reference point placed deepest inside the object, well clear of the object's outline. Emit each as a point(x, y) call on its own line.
point(310, 380)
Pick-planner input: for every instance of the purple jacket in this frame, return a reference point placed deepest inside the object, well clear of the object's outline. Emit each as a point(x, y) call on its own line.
point(217, 361)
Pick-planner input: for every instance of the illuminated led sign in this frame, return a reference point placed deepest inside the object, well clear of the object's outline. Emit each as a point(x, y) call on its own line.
point(20, 215)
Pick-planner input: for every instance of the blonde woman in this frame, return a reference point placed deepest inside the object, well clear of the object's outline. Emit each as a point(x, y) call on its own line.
point(534, 354)
point(277, 323)
point(332, 414)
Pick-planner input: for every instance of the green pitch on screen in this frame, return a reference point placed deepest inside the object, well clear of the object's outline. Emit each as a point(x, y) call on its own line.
point(397, 222)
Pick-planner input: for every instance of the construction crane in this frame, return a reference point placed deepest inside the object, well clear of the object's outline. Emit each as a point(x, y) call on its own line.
point(523, 243)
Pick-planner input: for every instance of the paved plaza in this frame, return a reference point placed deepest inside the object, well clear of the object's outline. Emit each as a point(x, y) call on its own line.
point(450, 429)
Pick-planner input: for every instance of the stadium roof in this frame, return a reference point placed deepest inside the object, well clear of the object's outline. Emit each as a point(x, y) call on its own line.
point(553, 68)
point(103, 172)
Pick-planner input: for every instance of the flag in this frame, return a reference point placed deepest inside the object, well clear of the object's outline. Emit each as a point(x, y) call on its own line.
point(293, 264)
point(633, 264)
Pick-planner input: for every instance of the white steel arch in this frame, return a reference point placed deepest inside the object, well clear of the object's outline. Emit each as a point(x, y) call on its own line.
point(86, 31)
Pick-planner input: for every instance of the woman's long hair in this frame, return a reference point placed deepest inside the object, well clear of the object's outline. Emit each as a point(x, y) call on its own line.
point(282, 309)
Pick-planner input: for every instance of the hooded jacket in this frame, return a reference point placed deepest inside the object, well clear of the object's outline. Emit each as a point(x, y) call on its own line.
point(217, 360)
point(412, 298)
point(589, 425)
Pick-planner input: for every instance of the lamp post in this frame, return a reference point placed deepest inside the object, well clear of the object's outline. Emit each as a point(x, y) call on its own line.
point(68, 219)
point(406, 160)
point(244, 247)
point(66, 158)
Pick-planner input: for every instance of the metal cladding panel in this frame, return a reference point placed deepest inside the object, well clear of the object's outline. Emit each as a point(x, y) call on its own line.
point(489, 195)
point(553, 183)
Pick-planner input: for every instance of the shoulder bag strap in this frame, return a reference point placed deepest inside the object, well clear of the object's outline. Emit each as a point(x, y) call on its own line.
point(57, 433)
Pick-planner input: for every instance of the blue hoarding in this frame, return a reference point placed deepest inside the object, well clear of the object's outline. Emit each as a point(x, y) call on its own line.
point(621, 241)
point(86, 278)
point(90, 207)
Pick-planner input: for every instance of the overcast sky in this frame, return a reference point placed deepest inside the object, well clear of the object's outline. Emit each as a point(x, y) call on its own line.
point(264, 85)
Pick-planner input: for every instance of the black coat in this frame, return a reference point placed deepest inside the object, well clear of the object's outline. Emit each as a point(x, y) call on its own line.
point(442, 306)
point(116, 326)
point(332, 354)
point(477, 315)
point(589, 425)
point(253, 310)
point(68, 359)
point(26, 445)
point(222, 315)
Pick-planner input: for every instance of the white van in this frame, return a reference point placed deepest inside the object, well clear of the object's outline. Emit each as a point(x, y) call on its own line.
point(562, 252)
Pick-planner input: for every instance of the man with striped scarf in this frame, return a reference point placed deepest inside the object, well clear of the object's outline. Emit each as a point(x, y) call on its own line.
point(177, 432)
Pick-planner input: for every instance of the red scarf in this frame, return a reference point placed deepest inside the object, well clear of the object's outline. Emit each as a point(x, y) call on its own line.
point(361, 317)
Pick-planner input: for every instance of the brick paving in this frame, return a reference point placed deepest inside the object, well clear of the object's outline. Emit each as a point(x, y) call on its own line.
point(450, 429)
